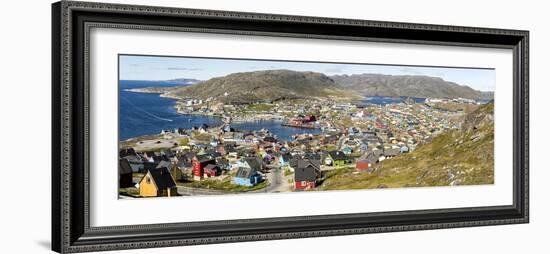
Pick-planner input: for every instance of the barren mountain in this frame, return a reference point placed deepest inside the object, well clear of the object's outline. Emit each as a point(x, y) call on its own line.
point(406, 85)
point(269, 85)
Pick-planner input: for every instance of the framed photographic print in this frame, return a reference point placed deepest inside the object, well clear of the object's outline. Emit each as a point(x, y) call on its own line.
point(182, 126)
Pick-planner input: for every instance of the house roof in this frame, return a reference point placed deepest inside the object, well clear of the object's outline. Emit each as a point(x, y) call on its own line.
point(127, 151)
point(391, 152)
point(162, 178)
point(133, 159)
point(303, 163)
point(245, 172)
point(188, 155)
point(210, 166)
point(149, 165)
point(158, 158)
point(164, 163)
point(254, 163)
point(337, 155)
point(124, 167)
point(168, 153)
point(307, 170)
point(312, 156)
point(371, 158)
point(204, 157)
point(377, 152)
point(222, 161)
point(293, 162)
point(286, 157)
point(184, 164)
point(211, 153)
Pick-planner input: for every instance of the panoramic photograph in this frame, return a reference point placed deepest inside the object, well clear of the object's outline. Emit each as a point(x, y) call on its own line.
point(191, 126)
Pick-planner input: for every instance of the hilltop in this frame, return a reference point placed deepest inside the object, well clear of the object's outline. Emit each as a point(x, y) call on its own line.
point(268, 85)
point(407, 85)
point(458, 157)
point(276, 85)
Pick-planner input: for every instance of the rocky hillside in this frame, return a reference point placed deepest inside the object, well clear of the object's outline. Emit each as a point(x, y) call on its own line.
point(459, 157)
point(406, 85)
point(270, 85)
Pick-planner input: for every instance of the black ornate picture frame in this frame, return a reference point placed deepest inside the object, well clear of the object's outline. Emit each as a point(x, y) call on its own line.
point(71, 230)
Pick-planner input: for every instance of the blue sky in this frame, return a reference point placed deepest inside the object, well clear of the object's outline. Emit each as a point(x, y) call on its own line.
point(165, 68)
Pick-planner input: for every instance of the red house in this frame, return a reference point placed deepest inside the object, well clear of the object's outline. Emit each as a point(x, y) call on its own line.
point(199, 164)
point(212, 170)
point(306, 174)
point(362, 165)
point(366, 164)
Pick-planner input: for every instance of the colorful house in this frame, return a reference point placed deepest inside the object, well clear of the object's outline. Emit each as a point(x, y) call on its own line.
point(247, 177)
point(347, 150)
point(366, 163)
point(199, 163)
point(337, 158)
point(157, 183)
point(212, 170)
point(362, 165)
point(307, 174)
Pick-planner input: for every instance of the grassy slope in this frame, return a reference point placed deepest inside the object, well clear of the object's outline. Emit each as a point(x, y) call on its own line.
point(455, 158)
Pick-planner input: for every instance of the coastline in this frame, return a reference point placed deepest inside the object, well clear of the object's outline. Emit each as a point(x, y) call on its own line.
point(179, 108)
point(179, 101)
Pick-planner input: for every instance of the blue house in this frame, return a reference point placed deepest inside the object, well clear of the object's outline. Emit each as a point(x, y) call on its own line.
point(247, 177)
point(347, 150)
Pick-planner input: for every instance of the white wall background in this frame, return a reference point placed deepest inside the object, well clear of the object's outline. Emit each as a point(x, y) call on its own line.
point(25, 129)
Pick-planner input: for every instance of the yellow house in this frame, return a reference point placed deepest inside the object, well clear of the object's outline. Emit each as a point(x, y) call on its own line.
point(157, 183)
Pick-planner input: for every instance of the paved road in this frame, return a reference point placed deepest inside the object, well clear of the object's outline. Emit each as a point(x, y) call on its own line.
point(188, 191)
point(277, 181)
point(340, 142)
point(274, 178)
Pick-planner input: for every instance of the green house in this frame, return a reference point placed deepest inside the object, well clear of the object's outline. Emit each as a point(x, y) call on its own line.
point(337, 158)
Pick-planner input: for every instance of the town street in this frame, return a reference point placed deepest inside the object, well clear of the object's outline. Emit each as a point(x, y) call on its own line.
point(277, 181)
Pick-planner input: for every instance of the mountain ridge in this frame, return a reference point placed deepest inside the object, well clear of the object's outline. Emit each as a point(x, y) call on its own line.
point(422, 86)
point(275, 85)
point(266, 85)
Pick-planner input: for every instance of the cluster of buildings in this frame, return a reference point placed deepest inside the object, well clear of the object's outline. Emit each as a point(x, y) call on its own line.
point(353, 135)
point(456, 100)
